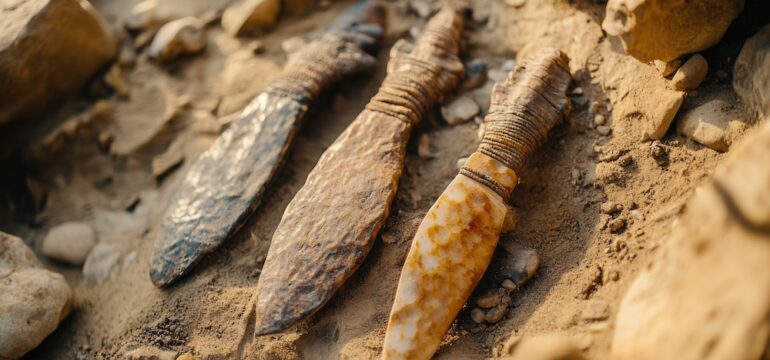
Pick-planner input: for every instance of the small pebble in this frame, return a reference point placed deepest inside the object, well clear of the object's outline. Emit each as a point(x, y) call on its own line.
point(509, 285)
point(577, 91)
point(184, 36)
point(461, 162)
point(636, 214)
point(599, 119)
point(617, 225)
point(611, 207)
point(489, 300)
point(475, 74)
point(614, 275)
point(595, 310)
point(496, 314)
point(460, 110)
point(603, 130)
point(508, 65)
point(69, 242)
point(423, 147)
point(691, 74)
point(625, 160)
point(497, 75)
point(478, 316)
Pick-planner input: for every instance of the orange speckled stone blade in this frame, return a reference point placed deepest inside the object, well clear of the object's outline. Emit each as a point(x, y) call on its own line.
point(450, 252)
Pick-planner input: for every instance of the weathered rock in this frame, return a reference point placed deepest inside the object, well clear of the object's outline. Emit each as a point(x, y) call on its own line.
point(460, 110)
point(640, 95)
point(248, 17)
point(423, 147)
point(478, 316)
point(617, 225)
point(521, 263)
point(713, 124)
point(666, 68)
point(603, 130)
point(48, 51)
point(665, 30)
point(595, 310)
point(489, 300)
point(496, 314)
point(691, 73)
point(184, 36)
point(101, 263)
point(32, 300)
point(475, 74)
point(751, 77)
point(611, 207)
point(546, 347)
point(149, 353)
point(69, 242)
point(705, 295)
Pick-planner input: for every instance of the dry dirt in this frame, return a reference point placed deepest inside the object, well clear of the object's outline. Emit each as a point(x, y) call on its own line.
point(183, 106)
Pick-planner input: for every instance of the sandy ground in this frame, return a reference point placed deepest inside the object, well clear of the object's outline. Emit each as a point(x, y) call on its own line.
point(183, 107)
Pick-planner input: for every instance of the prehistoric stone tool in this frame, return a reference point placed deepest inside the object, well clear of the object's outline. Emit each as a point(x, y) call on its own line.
point(330, 225)
point(228, 180)
point(455, 241)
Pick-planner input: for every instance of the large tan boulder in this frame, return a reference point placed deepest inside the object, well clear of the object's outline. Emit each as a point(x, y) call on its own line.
point(249, 17)
point(32, 300)
point(667, 29)
point(49, 49)
point(751, 78)
point(707, 293)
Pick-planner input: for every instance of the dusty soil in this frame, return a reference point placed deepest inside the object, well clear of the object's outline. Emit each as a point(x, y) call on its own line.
point(184, 106)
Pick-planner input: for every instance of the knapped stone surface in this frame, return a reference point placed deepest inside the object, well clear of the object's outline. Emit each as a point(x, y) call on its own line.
point(665, 29)
point(706, 295)
point(185, 36)
point(49, 49)
point(33, 300)
point(248, 17)
point(714, 124)
point(69, 242)
point(751, 77)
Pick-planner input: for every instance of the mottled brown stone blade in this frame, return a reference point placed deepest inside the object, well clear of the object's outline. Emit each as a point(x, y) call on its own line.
point(330, 225)
point(226, 183)
point(455, 241)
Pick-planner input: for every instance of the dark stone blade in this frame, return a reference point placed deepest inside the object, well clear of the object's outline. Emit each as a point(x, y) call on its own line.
point(224, 185)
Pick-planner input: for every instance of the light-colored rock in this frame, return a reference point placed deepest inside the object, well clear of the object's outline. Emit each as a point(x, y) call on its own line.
point(691, 74)
point(595, 310)
point(639, 95)
point(545, 347)
point(460, 110)
point(751, 77)
point(706, 294)
point(423, 147)
point(149, 353)
point(48, 51)
point(713, 124)
point(248, 17)
point(461, 162)
point(478, 316)
point(69, 242)
point(184, 36)
point(489, 300)
point(521, 262)
point(32, 300)
point(666, 29)
point(101, 263)
point(666, 68)
point(603, 130)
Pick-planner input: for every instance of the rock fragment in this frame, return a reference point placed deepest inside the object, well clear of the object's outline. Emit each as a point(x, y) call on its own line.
point(751, 77)
point(71, 43)
point(691, 74)
point(423, 147)
point(460, 110)
point(184, 36)
point(665, 30)
point(489, 300)
point(546, 347)
point(32, 300)
point(611, 207)
point(101, 263)
point(712, 124)
point(603, 130)
point(521, 263)
point(703, 295)
point(69, 242)
point(666, 68)
point(248, 17)
point(617, 225)
point(475, 74)
point(595, 310)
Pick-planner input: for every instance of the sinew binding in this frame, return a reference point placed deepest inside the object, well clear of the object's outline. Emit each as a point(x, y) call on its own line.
point(329, 227)
point(455, 241)
point(227, 182)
